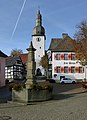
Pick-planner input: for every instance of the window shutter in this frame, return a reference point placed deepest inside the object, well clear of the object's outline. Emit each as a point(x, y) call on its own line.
point(55, 56)
point(62, 69)
point(76, 69)
point(62, 56)
point(69, 69)
point(75, 56)
point(69, 56)
point(83, 70)
point(55, 69)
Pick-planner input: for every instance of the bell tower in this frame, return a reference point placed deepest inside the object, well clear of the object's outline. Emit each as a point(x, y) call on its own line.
point(38, 41)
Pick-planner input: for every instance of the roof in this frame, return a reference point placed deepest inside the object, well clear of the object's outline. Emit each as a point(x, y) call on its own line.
point(62, 44)
point(2, 54)
point(38, 29)
point(24, 57)
point(11, 60)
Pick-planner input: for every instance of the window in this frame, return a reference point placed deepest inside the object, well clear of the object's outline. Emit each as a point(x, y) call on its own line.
point(65, 56)
point(58, 69)
point(65, 69)
point(72, 56)
point(55, 75)
point(18, 61)
point(72, 69)
point(58, 56)
point(50, 67)
point(80, 69)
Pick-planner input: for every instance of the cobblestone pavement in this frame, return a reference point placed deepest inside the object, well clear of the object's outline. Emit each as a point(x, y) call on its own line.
point(69, 103)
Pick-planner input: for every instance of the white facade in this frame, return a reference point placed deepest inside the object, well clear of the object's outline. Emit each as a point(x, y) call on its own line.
point(64, 64)
point(39, 45)
point(2, 72)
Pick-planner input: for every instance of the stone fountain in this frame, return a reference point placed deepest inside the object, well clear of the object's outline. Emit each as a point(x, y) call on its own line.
point(33, 91)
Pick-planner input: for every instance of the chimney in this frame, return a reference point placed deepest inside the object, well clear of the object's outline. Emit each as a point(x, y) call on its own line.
point(64, 35)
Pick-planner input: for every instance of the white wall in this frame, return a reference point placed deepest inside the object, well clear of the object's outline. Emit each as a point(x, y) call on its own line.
point(39, 46)
point(40, 50)
point(68, 63)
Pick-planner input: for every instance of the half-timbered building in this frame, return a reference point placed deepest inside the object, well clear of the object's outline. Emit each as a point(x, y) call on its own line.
point(14, 68)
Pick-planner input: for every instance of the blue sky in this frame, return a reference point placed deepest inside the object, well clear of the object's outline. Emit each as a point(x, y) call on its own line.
point(58, 16)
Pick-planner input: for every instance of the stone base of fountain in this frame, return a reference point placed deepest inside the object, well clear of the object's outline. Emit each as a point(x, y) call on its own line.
point(29, 95)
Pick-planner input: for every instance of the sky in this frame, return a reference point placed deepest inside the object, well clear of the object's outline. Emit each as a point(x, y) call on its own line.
point(18, 18)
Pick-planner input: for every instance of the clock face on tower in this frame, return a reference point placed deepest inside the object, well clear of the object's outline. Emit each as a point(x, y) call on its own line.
point(38, 39)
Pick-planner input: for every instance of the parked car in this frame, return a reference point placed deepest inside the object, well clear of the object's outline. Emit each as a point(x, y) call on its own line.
point(84, 85)
point(67, 80)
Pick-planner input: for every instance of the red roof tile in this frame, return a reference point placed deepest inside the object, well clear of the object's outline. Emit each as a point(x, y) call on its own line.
point(23, 57)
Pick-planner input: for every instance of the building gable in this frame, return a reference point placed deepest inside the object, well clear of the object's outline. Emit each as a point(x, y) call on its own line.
point(2, 54)
point(62, 44)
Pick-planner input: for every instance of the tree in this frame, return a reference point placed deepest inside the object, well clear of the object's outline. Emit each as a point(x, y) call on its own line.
point(81, 42)
point(45, 63)
point(16, 51)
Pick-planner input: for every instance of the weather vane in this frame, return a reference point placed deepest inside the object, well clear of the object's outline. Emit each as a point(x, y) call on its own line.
point(38, 7)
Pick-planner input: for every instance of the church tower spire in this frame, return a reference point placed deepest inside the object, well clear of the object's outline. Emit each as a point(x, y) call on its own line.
point(38, 29)
point(38, 19)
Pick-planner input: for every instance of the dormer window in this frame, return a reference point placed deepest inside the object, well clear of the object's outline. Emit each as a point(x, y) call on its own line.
point(18, 62)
